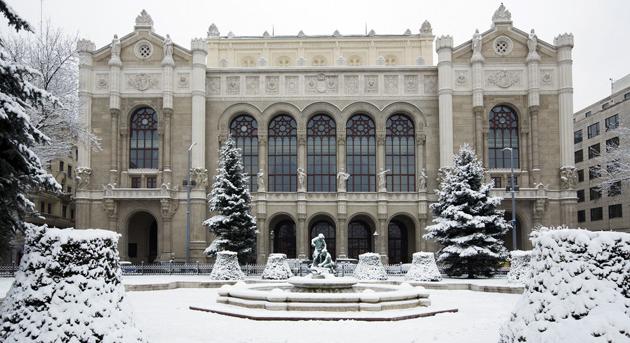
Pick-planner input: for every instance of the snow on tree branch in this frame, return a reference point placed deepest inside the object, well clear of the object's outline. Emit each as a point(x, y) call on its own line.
point(614, 161)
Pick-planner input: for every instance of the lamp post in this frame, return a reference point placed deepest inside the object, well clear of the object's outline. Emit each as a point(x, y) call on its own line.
point(188, 188)
point(513, 191)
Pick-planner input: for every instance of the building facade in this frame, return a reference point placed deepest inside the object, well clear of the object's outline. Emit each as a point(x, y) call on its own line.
point(593, 135)
point(341, 134)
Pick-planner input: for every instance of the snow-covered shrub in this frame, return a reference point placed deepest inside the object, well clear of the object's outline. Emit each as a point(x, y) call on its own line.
point(226, 267)
point(277, 268)
point(577, 289)
point(467, 222)
point(519, 264)
point(68, 289)
point(370, 267)
point(423, 268)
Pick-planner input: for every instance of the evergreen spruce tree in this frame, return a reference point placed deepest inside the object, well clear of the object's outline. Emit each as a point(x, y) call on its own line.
point(467, 223)
point(21, 171)
point(233, 223)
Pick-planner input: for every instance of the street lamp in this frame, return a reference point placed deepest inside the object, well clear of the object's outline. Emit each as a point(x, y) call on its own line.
point(188, 188)
point(513, 191)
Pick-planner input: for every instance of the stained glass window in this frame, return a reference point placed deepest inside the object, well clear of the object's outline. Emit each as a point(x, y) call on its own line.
point(503, 133)
point(361, 153)
point(282, 154)
point(244, 131)
point(321, 154)
point(400, 154)
point(144, 142)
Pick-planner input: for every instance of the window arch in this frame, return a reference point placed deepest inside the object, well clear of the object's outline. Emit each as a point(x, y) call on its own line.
point(400, 154)
point(284, 238)
point(502, 133)
point(244, 131)
point(361, 153)
point(282, 154)
point(359, 238)
point(326, 228)
point(144, 141)
point(397, 242)
point(321, 154)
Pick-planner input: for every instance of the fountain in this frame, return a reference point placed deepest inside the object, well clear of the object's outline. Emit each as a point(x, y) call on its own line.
point(323, 296)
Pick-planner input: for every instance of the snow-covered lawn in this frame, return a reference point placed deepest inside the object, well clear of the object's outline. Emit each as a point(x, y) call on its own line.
point(164, 317)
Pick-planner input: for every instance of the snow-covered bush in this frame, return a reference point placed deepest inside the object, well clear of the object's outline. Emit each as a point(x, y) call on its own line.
point(577, 289)
point(423, 268)
point(370, 267)
point(467, 223)
point(233, 223)
point(277, 268)
point(226, 267)
point(519, 264)
point(68, 289)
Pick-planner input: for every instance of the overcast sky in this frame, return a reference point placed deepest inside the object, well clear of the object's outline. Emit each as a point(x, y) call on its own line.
point(601, 28)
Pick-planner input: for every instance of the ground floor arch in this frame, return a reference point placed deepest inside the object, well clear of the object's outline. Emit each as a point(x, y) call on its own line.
point(401, 239)
point(283, 236)
point(360, 236)
point(326, 226)
point(142, 238)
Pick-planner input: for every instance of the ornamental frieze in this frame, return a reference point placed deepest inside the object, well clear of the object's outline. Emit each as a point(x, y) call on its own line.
point(503, 78)
point(321, 84)
point(143, 81)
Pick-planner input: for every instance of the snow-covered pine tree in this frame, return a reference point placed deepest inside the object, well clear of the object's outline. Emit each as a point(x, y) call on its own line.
point(467, 223)
point(233, 223)
point(20, 169)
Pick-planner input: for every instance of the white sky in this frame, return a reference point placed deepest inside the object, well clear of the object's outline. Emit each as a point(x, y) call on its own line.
point(601, 28)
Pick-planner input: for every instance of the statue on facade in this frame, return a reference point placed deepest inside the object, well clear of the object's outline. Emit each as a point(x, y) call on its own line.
point(342, 177)
point(168, 47)
point(301, 175)
point(116, 47)
point(476, 42)
point(422, 180)
point(382, 183)
point(532, 45)
point(261, 180)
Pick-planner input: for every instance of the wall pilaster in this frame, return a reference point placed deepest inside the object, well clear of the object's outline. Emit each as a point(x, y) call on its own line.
point(444, 47)
point(199, 51)
point(564, 43)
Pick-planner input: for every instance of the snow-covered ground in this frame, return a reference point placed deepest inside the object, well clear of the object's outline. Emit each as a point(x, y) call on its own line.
point(164, 317)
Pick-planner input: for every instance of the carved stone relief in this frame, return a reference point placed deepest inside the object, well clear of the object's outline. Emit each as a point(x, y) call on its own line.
point(411, 83)
point(213, 85)
point(291, 84)
point(252, 85)
point(503, 78)
point(321, 84)
point(547, 77)
point(272, 85)
point(461, 78)
point(102, 81)
point(391, 84)
point(183, 80)
point(371, 84)
point(233, 85)
point(352, 84)
point(143, 81)
point(430, 84)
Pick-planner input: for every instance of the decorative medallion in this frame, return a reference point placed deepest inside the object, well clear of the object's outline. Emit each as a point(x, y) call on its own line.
point(233, 85)
point(430, 84)
point(503, 78)
point(371, 84)
point(143, 81)
point(252, 85)
point(272, 84)
point(461, 78)
point(213, 85)
point(546, 78)
point(411, 83)
point(291, 84)
point(183, 80)
point(102, 81)
point(321, 84)
point(143, 49)
point(391, 84)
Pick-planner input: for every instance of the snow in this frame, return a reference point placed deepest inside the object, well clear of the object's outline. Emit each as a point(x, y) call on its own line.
point(519, 265)
point(226, 267)
point(164, 316)
point(370, 267)
point(577, 289)
point(68, 288)
point(423, 268)
point(277, 268)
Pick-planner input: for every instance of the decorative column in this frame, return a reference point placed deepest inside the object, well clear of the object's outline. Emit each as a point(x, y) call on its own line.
point(114, 107)
point(342, 198)
point(444, 48)
point(168, 207)
point(262, 152)
point(564, 44)
point(382, 240)
point(199, 51)
point(261, 240)
point(168, 65)
point(476, 62)
point(533, 101)
point(380, 152)
point(302, 249)
point(421, 168)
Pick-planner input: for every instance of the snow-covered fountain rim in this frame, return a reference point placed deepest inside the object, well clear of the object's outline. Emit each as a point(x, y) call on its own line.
point(325, 283)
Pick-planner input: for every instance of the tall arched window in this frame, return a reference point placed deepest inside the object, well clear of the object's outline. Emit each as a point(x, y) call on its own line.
point(502, 133)
point(326, 228)
point(321, 154)
point(359, 238)
point(144, 142)
point(400, 154)
point(361, 153)
point(397, 242)
point(284, 238)
point(282, 155)
point(244, 131)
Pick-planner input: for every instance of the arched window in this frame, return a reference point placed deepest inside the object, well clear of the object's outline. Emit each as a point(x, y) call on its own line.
point(321, 154)
point(502, 133)
point(282, 155)
point(359, 239)
point(400, 154)
point(244, 131)
point(144, 141)
point(328, 230)
point(361, 153)
point(284, 238)
point(397, 242)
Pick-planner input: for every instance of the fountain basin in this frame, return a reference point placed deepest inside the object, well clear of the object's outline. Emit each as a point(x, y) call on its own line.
point(326, 284)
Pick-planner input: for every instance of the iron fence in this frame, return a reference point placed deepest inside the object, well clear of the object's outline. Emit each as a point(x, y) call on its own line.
point(8, 270)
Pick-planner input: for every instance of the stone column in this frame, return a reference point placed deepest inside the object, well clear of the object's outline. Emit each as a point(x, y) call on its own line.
point(477, 61)
point(199, 51)
point(261, 240)
point(168, 173)
point(113, 167)
point(262, 154)
point(168, 65)
point(421, 139)
point(341, 153)
point(382, 240)
point(564, 43)
point(421, 244)
point(341, 238)
point(533, 114)
point(168, 207)
point(301, 156)
point(444, 47)
point(85, 49)
point(301, 236)
point(380, 153)
point(114, 107)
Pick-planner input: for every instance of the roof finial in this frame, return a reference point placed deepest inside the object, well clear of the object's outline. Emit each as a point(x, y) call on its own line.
point(144, 21)
point(502, 16)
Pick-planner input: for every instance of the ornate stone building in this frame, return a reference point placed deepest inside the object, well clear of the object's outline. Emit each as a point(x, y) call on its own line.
point(368, 120)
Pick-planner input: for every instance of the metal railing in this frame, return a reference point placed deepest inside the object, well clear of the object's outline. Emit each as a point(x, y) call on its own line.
point(8, 270)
